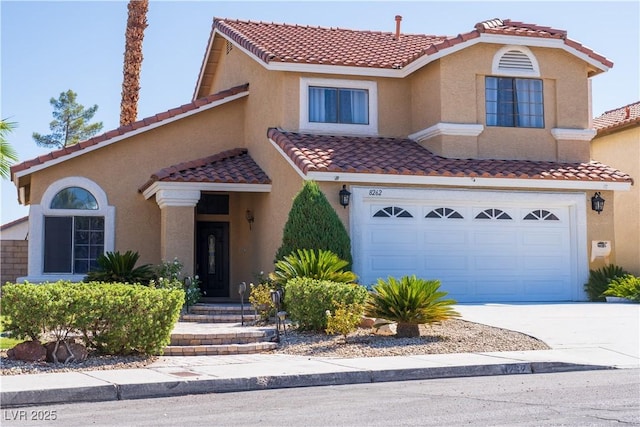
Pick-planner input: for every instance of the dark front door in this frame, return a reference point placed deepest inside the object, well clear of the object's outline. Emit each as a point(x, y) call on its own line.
point(212, 258)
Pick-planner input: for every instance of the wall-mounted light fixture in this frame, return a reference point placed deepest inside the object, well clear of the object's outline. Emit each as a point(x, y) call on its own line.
point(597, 203)
point(249, 216)
point(345, 195)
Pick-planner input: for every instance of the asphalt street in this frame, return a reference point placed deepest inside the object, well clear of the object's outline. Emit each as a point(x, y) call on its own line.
point(610, 397)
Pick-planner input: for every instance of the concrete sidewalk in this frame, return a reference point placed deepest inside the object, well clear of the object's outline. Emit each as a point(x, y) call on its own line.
point(572, 330)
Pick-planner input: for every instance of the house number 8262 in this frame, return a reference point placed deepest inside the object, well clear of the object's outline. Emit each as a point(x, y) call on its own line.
point(376, 192)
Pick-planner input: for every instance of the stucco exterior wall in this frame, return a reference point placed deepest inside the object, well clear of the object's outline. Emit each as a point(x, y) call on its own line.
point(600, 227)
point(622, 151)
point(121, 168)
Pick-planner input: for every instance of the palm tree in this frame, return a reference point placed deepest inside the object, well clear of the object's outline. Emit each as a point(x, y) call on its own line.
point(136, 23)
point(8, 154)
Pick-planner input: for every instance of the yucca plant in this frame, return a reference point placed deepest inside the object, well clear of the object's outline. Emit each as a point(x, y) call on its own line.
point(410, 302)
point(599, 280)
point(117, 267)
point(320, 264)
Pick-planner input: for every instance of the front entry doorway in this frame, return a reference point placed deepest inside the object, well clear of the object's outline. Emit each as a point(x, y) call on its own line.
point(212, 258)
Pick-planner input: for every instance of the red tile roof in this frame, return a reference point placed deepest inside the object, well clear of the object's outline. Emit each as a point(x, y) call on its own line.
point(232, 166)
point(397, 156)
point(297, 44)
point(123, 130)
point(618, 118)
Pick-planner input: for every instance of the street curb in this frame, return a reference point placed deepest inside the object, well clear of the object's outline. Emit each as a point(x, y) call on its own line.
point(111, 392)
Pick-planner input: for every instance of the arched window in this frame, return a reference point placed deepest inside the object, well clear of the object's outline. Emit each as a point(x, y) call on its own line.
point(74, 198)
point(76, 225)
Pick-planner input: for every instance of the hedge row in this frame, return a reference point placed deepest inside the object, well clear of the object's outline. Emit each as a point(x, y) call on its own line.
point(112, 318)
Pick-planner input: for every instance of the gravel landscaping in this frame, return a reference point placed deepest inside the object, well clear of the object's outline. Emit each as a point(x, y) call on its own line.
point(451, 336)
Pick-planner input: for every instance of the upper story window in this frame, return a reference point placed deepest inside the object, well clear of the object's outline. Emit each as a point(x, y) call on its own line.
point(342, 106)
point(514, 102)
point(336, 105)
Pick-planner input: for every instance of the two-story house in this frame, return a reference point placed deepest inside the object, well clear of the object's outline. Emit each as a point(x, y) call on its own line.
point(466, 158)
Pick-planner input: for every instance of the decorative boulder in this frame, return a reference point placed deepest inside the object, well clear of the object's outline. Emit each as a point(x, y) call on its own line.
point(367, 322)
point(387, 330)
point(29, 351)
point(68, 351)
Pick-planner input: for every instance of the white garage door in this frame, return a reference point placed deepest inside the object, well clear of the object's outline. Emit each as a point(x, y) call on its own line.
point(482, 245)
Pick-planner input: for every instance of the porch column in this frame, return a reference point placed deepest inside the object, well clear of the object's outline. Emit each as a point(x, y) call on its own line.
point(177, 226)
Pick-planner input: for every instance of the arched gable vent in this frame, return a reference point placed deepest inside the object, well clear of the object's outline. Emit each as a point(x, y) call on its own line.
point(515, 61)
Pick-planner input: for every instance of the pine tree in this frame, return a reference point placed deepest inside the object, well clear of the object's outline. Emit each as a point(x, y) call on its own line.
point(70, 124)
point(314, 224)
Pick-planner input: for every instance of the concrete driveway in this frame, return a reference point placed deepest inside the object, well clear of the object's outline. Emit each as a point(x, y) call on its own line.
point(602, 333)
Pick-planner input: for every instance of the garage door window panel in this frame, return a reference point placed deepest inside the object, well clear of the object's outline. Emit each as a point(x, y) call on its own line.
point(541, 215)
point(493, 214)
point(392, 212)
point(444, 213)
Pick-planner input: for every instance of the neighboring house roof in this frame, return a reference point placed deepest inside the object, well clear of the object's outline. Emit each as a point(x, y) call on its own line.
point(617, 119)
point(142, 125)
point(405, 157)
point(15, 230)
point(232, 167)
point(14, 223)
point(276, 44)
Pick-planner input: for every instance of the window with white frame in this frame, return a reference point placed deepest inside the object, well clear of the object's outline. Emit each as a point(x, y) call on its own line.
point(344, 106)
point(514, 102)
point(76, 226)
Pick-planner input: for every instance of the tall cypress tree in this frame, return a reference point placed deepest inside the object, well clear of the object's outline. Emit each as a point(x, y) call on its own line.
point(314, 224)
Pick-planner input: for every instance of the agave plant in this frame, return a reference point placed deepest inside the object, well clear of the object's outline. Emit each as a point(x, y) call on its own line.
point(117, 267)
point(599, 280)
point(410, 302)
point(321, 265)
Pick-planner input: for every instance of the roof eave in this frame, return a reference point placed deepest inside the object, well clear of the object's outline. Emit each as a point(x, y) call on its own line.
point(152, 189)
point(205, 60)
point(109, 141)
point(466, 181)
point(468, 40)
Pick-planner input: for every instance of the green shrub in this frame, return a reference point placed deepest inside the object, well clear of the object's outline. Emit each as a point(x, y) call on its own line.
point(168, 275)
point(114, 267)
point(410, 302)
point(599, 281)
point(345, 319)
point(260, 299)
point(320, 264)
point(113, 318)
point(25, 307)
point(308, 300)
point(314, 224)
point(627, 286)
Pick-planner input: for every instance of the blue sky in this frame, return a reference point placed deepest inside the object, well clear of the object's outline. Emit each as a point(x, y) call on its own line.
point(50, 47)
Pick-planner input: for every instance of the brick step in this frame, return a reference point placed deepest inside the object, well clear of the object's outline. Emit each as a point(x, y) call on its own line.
point(215, 350)
point(218, 318)
point(213, 309)
point(222, 338)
